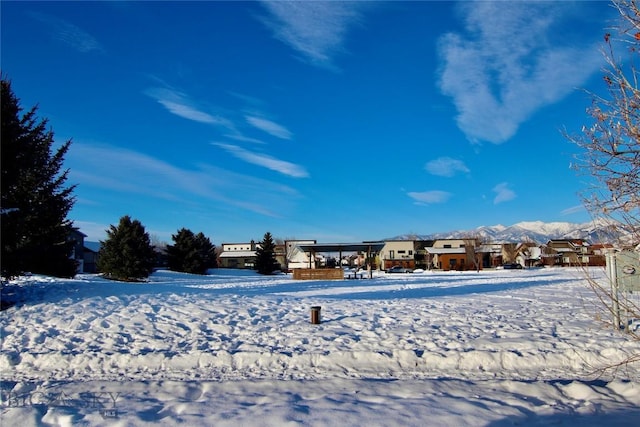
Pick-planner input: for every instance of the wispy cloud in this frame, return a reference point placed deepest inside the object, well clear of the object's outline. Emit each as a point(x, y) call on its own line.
point(573, 209)
point(446, 166)
point(243, 138)
point(181, 105)
point(503, 193)
point(111, 167)
point(281, 166)
point(505, 68)
point(269, 127)
point(129, 172)
point(69, 33)
point(430, 197)
point(315, 29)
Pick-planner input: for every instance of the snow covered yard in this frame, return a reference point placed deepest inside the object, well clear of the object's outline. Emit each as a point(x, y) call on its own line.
point(514, 347)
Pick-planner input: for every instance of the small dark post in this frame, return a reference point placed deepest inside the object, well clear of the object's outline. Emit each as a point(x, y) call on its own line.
point(315, 314)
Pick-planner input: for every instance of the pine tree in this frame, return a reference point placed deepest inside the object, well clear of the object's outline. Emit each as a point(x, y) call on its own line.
point(207, 251)
point(127, 253)
point(35, 201)
point(182, 252)
point(191, 253)
point(265, 255)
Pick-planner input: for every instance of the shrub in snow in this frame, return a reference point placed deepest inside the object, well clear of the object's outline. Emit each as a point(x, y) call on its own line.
point(191, 253)
point(127, 253)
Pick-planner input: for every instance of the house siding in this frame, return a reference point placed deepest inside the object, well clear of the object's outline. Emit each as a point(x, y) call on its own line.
point(398, 252)
point(238, 255)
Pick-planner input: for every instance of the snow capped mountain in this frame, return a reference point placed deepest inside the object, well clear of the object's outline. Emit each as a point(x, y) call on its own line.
point(536, 231)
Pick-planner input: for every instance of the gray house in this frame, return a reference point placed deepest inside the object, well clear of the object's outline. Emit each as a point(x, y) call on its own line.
point(91, 250)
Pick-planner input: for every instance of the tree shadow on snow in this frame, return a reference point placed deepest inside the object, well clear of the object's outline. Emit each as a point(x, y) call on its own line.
point(619, 418)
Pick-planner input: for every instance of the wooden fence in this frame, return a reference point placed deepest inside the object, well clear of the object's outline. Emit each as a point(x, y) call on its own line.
point(318, 274)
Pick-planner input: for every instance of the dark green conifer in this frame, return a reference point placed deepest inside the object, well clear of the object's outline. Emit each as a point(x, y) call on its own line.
point(127, 253)
point(191, 253)
point(207, 251)
point(265, 255)
point(36, 234)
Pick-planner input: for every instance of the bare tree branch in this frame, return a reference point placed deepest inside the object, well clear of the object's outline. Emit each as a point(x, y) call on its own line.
point(611, 145)
point(610, 158)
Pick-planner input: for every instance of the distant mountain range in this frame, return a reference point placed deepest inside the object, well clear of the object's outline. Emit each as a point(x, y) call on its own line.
point(537, 231)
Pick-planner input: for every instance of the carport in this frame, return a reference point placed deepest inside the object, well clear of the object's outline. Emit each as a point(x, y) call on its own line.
point(370, 248)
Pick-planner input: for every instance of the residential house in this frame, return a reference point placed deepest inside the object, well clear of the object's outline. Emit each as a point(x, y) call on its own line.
point(491, 255)
point(90, 256)
point(238, 255)
point(578, 252)
point(296, 257)
point(598, 254)
point(568, 252)
point(243, 255)
point(454, 254)
point(397, 252)
point(280, 254)
point(421, 254)
point(77, 237)
point(529, 254)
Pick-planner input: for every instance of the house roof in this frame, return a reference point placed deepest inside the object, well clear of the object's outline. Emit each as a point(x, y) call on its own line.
point(446, 250)
point(343, 247)
point(77, 231)
point(92, 246)
point(490, 248)
point(601, 246)
point(567, 242)
point(237, 254)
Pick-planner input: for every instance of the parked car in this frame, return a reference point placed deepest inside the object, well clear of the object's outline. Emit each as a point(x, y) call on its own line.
point(510, 266)
point(398, 269)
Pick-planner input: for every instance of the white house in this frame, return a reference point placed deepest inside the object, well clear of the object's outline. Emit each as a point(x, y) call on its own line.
point(296, 257)
point(238, 255)
point(398, 252)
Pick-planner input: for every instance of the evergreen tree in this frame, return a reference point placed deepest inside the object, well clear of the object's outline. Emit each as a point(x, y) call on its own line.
point(191, 253)
point(35, 201)
point(265, 255)
point(207, 252)
point(182, 252)
point(127, 253)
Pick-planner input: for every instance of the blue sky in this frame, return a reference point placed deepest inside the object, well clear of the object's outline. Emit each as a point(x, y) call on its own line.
point(329, 121)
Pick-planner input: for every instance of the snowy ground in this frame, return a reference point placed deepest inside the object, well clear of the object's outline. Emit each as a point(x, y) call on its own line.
point(494, 348)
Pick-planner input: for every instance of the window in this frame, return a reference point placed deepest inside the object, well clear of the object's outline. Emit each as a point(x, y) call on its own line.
point(402, 251)
point(410, 252)
point(447, 246)
point(392, 254)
